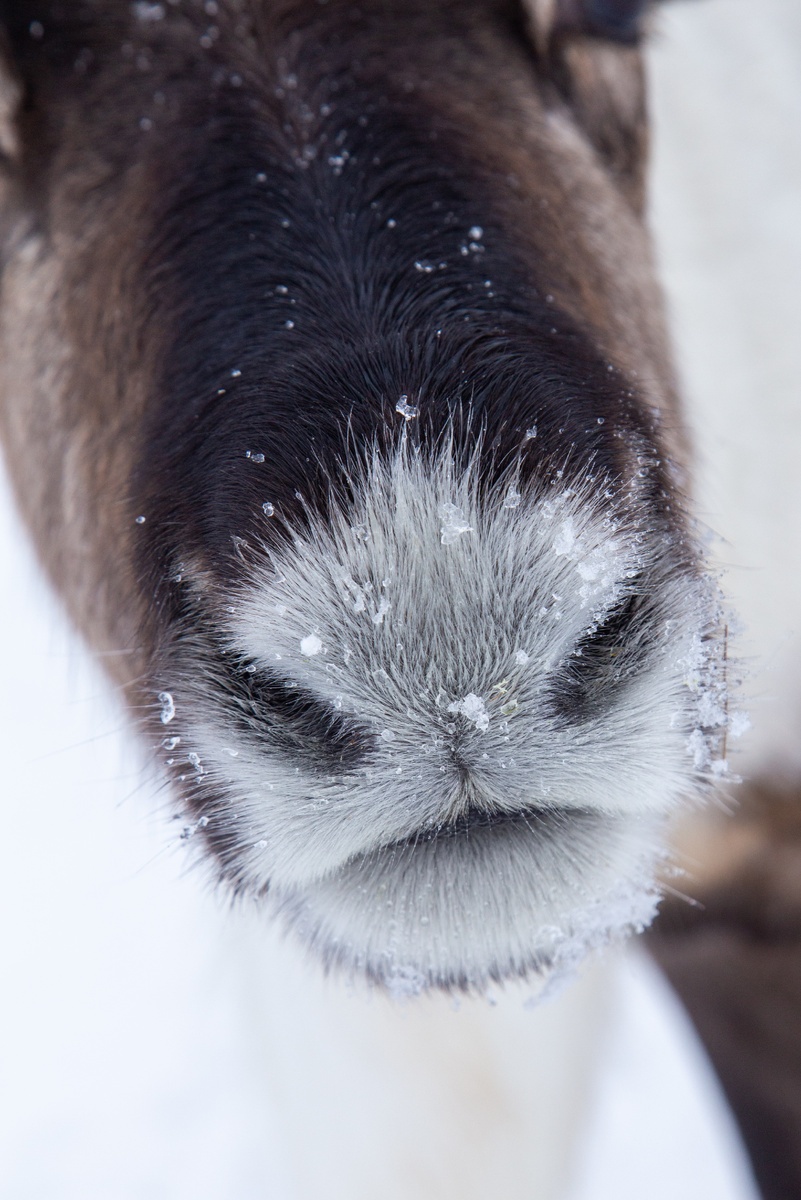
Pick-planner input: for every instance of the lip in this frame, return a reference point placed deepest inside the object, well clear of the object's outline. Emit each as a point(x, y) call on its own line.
point(479, 900)
point(473, 822)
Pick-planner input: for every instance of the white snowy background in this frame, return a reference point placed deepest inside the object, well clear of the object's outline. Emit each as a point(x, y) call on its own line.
point(135, 1040)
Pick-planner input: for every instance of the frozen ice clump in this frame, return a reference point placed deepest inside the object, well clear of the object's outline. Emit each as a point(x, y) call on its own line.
point(512, 499)
point(403, 981)
point(711, 711)
point(698, 747)
point(473, 709)
point(739, 723)
point(382, 610)
point(407, 411)
point(311, 645)
point(705, 678)
point(601, 573)
point(167, 707)
point(565, 540)
point(453, 524)
point(694, 665)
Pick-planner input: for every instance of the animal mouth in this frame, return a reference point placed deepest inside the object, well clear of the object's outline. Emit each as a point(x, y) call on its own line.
point(480, 899)
point(452, 807)
point(471, 823)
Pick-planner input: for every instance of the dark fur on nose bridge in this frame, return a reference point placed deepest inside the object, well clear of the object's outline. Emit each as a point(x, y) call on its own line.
point(321, 295)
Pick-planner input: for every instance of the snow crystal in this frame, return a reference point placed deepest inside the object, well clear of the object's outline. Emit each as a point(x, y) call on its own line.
point(698, 747)
point(739, 723)
point(473, 709)
point(453, 524)
point(531, 433)
point(406, 410)
point(382, 610)
point(311, 645)
point(403, 981)
point(600, 572)
point(475, 233)
point(565, 540)
point(551, 508)
point(521, 658)
point(357, 592)
point(387, 735)
point(512, 499)
point(268, 509)
point(167, 707)
point(255, 456)
point(710, 711)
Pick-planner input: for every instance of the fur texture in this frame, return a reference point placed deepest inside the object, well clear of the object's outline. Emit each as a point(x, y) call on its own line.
point(338, 331)
point(441, 727)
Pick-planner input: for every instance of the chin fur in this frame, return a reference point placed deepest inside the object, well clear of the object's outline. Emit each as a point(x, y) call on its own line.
point(478, 903)
point(441, 727)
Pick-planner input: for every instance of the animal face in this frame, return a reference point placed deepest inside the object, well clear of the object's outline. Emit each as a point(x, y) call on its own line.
point(336, 333)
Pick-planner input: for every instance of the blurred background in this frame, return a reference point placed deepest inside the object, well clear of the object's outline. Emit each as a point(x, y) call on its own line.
point(132, 1041)
point(727, 218)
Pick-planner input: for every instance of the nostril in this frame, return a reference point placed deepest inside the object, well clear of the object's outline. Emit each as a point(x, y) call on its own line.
point(270, 709)
point(604, 659)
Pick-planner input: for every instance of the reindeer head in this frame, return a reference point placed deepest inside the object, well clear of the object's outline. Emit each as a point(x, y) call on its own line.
point(336, 335)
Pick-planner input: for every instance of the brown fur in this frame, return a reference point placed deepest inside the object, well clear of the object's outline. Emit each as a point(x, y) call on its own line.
point(559, 134)
point(735, 959)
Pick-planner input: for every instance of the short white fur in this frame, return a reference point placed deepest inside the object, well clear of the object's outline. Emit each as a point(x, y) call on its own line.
point(434, 614)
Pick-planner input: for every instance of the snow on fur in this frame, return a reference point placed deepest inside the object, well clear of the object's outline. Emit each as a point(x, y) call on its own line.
point(487, 831)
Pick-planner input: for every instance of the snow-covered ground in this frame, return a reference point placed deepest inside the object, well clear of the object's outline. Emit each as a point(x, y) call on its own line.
point(146, 1046)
